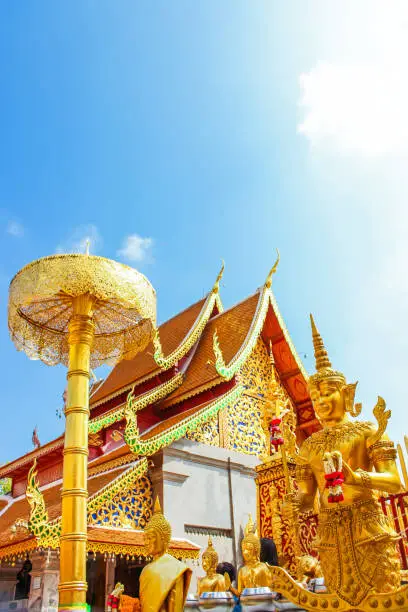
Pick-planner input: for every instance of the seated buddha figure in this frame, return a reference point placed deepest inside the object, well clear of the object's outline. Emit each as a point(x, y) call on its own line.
point(212, 582)
point(164, 582)
point(254, 573)
point(356, 543)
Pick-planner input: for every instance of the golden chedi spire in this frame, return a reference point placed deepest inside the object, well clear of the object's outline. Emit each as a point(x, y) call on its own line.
point(324, 370)
point(160, 524)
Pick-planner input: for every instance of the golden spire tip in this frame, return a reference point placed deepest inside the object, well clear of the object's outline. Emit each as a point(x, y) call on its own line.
point(157, 507)
point(320, 352)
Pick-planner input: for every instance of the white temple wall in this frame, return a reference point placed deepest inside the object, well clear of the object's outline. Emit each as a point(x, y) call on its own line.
point(196, 493)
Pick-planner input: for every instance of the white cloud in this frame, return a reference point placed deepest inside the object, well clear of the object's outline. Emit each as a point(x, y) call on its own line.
point(356, 108)
point(353, 110)
point(15, 229)
point(136, 248)
point(76, 242)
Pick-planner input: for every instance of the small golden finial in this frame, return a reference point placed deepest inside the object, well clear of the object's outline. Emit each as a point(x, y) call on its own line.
point(272, 362)
point(268, 282)
point(320, 352)
point(250, 527)
point(157, 507)
point(216, 286)
point(87, 245)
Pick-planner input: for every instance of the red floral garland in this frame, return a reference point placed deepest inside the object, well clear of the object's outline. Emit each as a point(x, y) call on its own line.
point(276, 434)
point(334, 476)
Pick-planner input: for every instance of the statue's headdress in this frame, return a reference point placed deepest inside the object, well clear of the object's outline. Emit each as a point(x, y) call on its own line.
point(324, 370)
point(212, 553)
point(251, 536)
point(159, 523)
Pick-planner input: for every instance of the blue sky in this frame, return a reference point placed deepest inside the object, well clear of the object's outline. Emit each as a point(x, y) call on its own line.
point(176, 134)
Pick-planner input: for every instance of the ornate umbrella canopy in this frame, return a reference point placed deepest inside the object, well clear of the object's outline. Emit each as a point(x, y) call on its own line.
point(41, 304)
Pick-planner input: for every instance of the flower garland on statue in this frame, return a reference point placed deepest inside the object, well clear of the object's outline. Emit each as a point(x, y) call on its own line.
point(276, 433)
point(333, 466)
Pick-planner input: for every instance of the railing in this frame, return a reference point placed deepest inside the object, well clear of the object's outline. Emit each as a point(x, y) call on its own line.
point(396, 508)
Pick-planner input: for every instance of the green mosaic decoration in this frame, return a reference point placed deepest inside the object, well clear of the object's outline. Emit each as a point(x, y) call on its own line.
point(155, 443)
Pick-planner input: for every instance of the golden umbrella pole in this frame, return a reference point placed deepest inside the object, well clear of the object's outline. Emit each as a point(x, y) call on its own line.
point(82, 311)
point(73, 586)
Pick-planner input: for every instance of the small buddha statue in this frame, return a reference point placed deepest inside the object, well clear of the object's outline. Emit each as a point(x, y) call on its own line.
point(211, 582)
point(355, 541)
point(254, 573)
point(164, 582)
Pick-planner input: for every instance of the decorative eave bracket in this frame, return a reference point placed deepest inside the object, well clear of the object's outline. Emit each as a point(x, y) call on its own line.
point(213, 299)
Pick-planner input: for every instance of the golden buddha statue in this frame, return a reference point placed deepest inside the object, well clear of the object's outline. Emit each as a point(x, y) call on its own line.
point(164, 582)
point(356, 543)
point(212, 582)
point(254, 573)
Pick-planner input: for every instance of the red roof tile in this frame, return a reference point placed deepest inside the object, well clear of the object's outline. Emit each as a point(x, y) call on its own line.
point(172, 333)
point(232, 327)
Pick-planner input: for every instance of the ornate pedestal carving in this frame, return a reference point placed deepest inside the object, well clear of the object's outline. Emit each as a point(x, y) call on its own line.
point(275, 518)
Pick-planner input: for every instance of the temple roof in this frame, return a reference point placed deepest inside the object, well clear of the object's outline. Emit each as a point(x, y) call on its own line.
point(131, 542)
point(232, 327)
point(18, 508)
point(143, 366)
point(193, 361)
point(100, 538)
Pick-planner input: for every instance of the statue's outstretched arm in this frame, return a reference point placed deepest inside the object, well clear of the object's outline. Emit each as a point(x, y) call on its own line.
point(307, 486)
point(385, 478)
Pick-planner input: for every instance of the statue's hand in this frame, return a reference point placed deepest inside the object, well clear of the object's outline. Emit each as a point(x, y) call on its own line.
point(227, 581)
point(350, 477)
point(292, 501)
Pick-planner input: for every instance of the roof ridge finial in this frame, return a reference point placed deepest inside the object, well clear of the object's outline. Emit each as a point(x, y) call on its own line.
point(268, 282)
point(87, 245)
point(320, 352)
point(216, 286)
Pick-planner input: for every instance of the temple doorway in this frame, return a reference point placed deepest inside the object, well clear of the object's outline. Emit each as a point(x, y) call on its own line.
point(96, 577)
point(128, 573)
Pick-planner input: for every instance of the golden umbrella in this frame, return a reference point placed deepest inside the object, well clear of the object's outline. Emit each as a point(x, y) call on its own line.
point(82, 311)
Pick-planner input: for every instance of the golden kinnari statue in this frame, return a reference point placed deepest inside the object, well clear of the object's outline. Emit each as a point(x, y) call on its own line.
point(254, 573)
point(164, 582)
point(347, 462)
point(212, 582)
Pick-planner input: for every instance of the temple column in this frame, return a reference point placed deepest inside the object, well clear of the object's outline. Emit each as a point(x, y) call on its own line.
point(44, 582)
point(110, 566)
